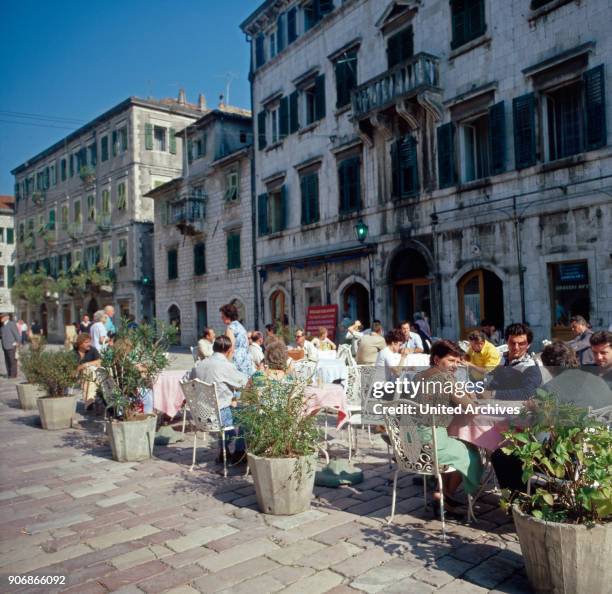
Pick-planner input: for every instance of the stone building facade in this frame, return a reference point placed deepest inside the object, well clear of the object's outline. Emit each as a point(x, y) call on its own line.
point(7, 252)
point(466, 141)
point(81, 204)
point(203, 227)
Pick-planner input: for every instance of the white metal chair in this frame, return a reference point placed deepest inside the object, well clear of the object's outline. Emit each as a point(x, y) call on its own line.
point(194, 353)
point(414, 455)
point(203, 404)
point(344, 354)
point(305, 370)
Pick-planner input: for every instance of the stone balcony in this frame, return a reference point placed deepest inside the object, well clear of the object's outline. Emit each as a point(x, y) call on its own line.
point(419, 73)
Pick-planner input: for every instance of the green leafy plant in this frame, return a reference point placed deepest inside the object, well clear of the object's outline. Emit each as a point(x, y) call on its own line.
point(29, 360)
point(31, 287)
point(274, 420)
point(570, 454)
point(135, 359)
point(56, 371)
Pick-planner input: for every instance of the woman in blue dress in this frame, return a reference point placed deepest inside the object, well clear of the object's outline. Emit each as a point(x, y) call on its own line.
point(236, 332)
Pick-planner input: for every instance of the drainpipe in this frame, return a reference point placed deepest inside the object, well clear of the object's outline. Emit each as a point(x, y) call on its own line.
point(519, 260)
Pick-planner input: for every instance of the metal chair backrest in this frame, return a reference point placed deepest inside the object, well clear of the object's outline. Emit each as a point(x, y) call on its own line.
point(353, 385)
point(203, 404)
point(304, 370)
point(194, 353)
point(106, 382)
point(344, 354)
point(368, 374)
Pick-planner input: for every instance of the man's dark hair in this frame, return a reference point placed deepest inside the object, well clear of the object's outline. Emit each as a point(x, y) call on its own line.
point(579, 320)
point(404, 322)
point(229, 310)
point(206, 332)
point(601, 337)
point(376, 327)
point(256, 336)
point(222, 344)
point(395, 335)
point(477, 335)
point(271, 328)
point(443, 348)
point(517, 330)
point(486, 322)
point(558, 354)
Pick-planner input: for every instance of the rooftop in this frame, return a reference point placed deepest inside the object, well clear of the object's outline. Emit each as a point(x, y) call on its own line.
point(7, 203)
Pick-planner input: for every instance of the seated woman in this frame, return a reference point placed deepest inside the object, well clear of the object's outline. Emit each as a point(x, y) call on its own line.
point(205, 344)
point(323, 343)
point(275, 364)
point(445, 359)
point(88, 359)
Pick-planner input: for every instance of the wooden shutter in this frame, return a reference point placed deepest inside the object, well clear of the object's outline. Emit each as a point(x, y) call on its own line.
point(408, 163)
point(325, 7)
point(280, 33)
point(283, 117)
point(262, 214)
point(261, 130)
point(595, 107)
point(314, 198)
point(395, 169)
point(10, 276)
point(284, 207)
point(304, 195)
point(320, 97)
point(199, 260)
point(294, 123)
point(342, 96)
point(446, 155)
point(476, 18)
point(260, 57)
point(291, 25)
point(343, 186)
point(393, 51)
point(523, 108)
point(172, 141)
point(458, 17)
point(497, 138)
point(355, 181)
point(10, 236)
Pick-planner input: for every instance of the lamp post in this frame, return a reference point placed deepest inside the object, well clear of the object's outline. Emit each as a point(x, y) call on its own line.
point(361, 232)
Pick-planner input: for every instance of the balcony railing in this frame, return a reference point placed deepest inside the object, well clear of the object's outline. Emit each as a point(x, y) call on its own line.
point(420, 72)
point(188, 214)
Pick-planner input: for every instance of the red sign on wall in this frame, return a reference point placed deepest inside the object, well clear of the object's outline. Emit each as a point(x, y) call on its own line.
point(322, 315)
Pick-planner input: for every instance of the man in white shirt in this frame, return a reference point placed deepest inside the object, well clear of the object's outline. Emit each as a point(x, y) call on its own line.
point(205, 344)
point(256, 350)
point(412, 341)
point(98, 332)
point(311, 352)
point(354, 333)
point(393, 356)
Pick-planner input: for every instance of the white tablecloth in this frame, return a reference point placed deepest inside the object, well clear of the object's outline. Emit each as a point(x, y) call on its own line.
point(327, 355)
point(330, 370)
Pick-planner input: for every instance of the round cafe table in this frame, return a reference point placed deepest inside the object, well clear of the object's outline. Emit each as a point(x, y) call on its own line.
point(167, 394)
point(327, 396)
point(331, 370)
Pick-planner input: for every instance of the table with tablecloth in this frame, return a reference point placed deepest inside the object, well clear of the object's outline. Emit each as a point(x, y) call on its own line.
point(485, 430)
point(327, 396)
point(167, 394)
point(331, 370)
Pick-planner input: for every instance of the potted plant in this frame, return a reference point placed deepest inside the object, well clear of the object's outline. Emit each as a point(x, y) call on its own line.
point(29, 392)
point(131, 366)
point(56, 374)
point(87, 174)
point(281, 445)
point(564, 522)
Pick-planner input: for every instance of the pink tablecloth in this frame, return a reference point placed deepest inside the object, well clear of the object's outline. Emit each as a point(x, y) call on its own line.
point(167, 394)
point(483, 431)
point(327, 396)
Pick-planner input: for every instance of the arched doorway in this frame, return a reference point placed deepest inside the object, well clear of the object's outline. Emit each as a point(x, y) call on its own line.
point(481, 296)
point(410, 285)
point(356, 304)
point(278, 311)
point(174, 319)
point(92, 307)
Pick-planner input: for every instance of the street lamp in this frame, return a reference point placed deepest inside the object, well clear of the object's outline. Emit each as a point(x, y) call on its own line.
point(361, 231)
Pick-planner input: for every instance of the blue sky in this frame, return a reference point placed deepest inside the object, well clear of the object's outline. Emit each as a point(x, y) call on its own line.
point(65, 62)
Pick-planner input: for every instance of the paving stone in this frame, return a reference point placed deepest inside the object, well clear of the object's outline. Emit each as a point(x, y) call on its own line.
point(320, 582)
point(118, 499)
point(58, 522)
point(379, 578)
point(183, 590)
point(361, 562)
point(491, 573)
point(133, 575)
point(292, 522)
point(462, 587)
point(119, 536)
point(188, 557)
point(342, 589)
point(475, 552)
point(443, 571)
point(341, 532)
point(244, 535)
point(287, 574)
point(170, 579)
point(409, 586)
point(263, 583)
point(380, 503)
point(133, 558)
point(329, 556)
point(94, 489)
point(237, 554)
point(517, 584)
point(200, 537)
point(88, 588)
point(33, 490)
point(235, 574)
point(39, 560)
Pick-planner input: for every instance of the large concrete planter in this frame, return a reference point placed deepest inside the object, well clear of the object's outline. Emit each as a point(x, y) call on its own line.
point(28, 395)
point(283, 485)
point(565, 558)
point(132, 441)
point(57, 412)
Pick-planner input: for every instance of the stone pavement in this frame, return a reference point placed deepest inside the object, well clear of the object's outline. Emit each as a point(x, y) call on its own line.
point(66, 509)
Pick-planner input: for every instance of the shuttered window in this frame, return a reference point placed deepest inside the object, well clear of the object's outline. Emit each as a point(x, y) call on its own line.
point(405, 167)
point(277, 210)
point(320, 97)
point(199, 259)
point(595, 108)
point(468, 21)
point(280, 33)
point(233, 251)
point(294, 123)
point(115, 143)
point(172, 264)
point(346, 77)
point(51, 225)
point(400, 47)
point(10, 276)
point(63, 169)
point(262, 214)
point(292, 25)
point(121, 196)
point(149, 137)
point(106, 207)
point(10, 236)
point(309, 186)
point(91, 208)
point(123, 250)
point(93, 154)
point(261, 130)
point(260, 58)
point(497, 138)
point(349, 184)
point(283, 115)
point(446, 155)
point(172, 140)
point(523, 110)
point(104, 148)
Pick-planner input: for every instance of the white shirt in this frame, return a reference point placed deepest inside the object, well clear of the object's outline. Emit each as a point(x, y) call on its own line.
point(97, 332)
point(256, 354)
point(414, 342)
point(388, 359)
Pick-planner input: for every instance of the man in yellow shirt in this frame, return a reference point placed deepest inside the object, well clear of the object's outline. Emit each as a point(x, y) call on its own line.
point(482, 356)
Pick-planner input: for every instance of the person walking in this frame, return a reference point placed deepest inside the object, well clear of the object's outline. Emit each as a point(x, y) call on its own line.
point(9, 336)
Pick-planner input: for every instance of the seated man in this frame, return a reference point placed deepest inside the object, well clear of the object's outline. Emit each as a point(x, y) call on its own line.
point(412, 340)
point(482, 356)
point(310, 351)
point(255, 349)
point(218, 369)
point(601, 345)
point(393, 356)
point(370, 345)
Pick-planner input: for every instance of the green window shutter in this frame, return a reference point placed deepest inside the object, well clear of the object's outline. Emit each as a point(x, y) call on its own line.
point(595, 108)
point(52, 219)
point(260, 57)
point(46, 178)
point(284, 207)
point(523, 108)
point(497, 138)
point(291, 25)
point(325, 7)
point(409, 180)
point(294, 124)
point(93, 153)
point(283, 117)
point(71, 168)
point(10, 236)
point(233, 251)
point(115, 143)
point(304, 194)
point(199, 260)
point(342, 186)
point(261, 130)
point(459, 24)
point(320, 97)
point(172, 264)
point(104, 148)
point(280, 33)
point(10, 276)
point(356, 183)
point(446, 155)
point(189, 150)
point(476, 18)
point(341, 83)
point(172, 140)
point(393, 51)
point(395, 169)
point(262, 214)
point(148, 137)
point(313, 210)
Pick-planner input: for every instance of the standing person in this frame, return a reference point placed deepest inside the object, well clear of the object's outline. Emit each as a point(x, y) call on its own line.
point(255, 349)
point(10, 337)
point(22, 328)
point(354, 334)
point(412, 341)
point(601, 344)
point(581, 342)
point(482, 356)
point(111, 329)
point(205, 344)
point(370, 345)
point(237, 333)
point(36, 333)
point(421, 327)
point(323, 343)
point(132, 324)
point(98, 333)
point(85, 324)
